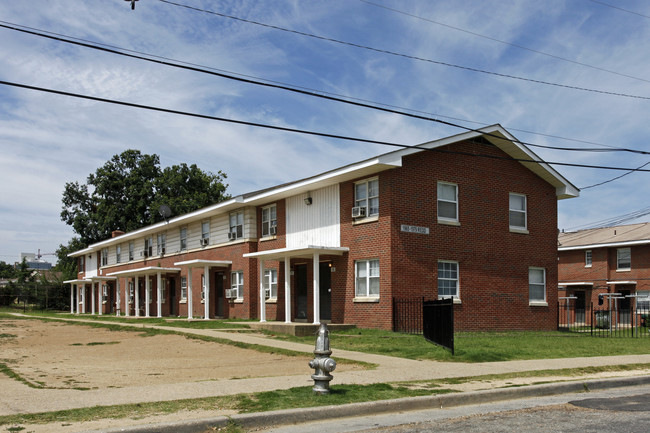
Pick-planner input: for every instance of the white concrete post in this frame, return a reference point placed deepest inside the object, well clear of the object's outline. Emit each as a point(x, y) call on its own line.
point(287, 290)
point(78, 298)
point(100, 297)
point(72, 287)
point(316, 288)
point(137, 296)
point(189, 293)
point(127, 298)
point(83, 300)
point(117, 297)
point(206, 298)
point(262, 294)
point(147, 298)
point(159, 285)
point(92, 298)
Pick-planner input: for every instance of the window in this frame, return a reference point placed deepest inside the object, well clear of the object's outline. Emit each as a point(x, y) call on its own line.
point(150, 291)
point(447, 279)
point(183, 287)
point(537, 284)
point(148, 246)
point(104, 292)
point(517, 210)
point(118, 254)
point(131, 251)
point(161, 243)
point(367, 278)
point(163, 290)
point(588, 259)
point(131, 292)
point(81, 264)
point(623, 259)
point(269, 221)
point(366, 195)
point(447, 202)
point(205, 232)
point(237, 283)
point(236, 225)
point(643, 301)
point(183, 238)
point(271, 283)
point(105, 257)
point(202, 287)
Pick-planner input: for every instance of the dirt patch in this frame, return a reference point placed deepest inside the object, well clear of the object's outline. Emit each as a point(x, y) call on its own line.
point(60, 355)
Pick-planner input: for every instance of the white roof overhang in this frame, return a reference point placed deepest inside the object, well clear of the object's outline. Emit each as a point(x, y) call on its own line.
point(149, 270)
point(606, 245)
point(582, 283)
point(302, 252)
point(82, 281)
point(202, 263)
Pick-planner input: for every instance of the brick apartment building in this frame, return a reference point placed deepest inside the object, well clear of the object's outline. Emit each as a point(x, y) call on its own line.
point(463, 217)
point(605, 261)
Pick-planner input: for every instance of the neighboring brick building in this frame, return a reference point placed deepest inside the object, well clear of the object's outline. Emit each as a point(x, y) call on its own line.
point(606, 261)
point(459, 217)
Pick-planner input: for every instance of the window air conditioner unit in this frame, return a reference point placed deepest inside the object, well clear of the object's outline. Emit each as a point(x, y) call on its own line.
point(205, 241)
point(162, 251)
point(230, 293)
point(232, 236)
point(358, 212)
point(273, 231)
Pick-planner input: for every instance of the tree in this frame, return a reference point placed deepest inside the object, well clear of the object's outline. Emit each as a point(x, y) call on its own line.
point(126, 193)
point(67, 266)
point(7, 270)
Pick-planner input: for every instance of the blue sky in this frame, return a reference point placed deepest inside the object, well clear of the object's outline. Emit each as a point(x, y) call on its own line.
point(47, 140)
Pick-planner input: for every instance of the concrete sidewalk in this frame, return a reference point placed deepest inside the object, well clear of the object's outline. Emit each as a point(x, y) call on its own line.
point(389, 369)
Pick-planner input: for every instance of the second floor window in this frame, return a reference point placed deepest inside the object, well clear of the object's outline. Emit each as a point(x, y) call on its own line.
point(148, 246)
point(588, 258)
point(269, 221)
point(366, 195)
point(105, 257)
point(447, 201)
point(623, 259)
point(131, 251)
point(161, 244)
point(517, 210)
point(118, 254)
point(205, 232)
point(183, 235)
point(236, 225)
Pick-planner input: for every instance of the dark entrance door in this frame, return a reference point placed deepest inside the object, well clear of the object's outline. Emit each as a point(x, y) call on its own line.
point(172, 296)
point(625, 316)
point(219, 299)
point(325, 291)
point(111, 299)
point(580, 307)
point(301, 291)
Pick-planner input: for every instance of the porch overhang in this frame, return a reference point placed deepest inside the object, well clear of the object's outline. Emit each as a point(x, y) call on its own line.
point(102, 278)
point(614, 283)
point(573, 284)
point(149, 270)
point(199, 263)
point(78, 281)
point(306, 252)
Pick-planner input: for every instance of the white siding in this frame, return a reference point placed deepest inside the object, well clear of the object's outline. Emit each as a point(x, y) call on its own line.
point(316, 224)
point(91, 264)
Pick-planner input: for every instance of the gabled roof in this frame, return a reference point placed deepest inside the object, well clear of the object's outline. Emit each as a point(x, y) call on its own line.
point(618, 236)
point(495, 134)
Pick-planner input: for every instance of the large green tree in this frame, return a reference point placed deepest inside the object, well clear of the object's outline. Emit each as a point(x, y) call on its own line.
point(126, 193)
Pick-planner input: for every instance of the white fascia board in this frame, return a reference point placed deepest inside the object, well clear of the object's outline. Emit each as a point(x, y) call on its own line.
point(607, 245)
point(81, 252)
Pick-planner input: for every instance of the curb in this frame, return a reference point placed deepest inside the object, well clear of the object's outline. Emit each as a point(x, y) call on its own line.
point(297, 416)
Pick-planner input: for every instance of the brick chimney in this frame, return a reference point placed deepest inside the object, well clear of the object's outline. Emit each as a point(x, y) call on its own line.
point(116, 233)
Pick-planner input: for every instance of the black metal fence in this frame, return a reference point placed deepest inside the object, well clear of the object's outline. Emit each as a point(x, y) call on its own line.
point(604, 321)
point(432, 319)
point(35, 296)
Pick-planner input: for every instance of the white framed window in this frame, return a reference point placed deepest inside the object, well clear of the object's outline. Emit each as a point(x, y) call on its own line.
point(205, 232)
point(366, 195)
point(588, 259)
point(517, 212)
point(104, 256)
point(131, 292)
point(163, 290)
point(104, 292)
point(643, 301)
point(448, 280)
point(623, 259)
point(118, 254)
point(236, 225)
point(447, 202)
point(161, 243)
point(536, 285)
point(150, 290)
point(81, 263)
point(366, 278)
point(202, 287)
point(148, 246)
point(184, 288)
point(237, 283)
point(269, 220)
point(131, 251)
point(271, 283)
point(183, 236)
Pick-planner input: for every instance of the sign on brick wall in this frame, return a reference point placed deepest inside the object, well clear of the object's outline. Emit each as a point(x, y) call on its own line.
point(415, 229)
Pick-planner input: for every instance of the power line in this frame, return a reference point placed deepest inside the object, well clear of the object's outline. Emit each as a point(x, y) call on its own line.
point(407, 56)
point(532, 50)
point(620, 9)
point(249, 80)
point(613, 179)
point(308, 132)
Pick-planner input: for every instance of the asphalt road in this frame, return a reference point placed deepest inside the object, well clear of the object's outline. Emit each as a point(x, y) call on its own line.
point(620, 410)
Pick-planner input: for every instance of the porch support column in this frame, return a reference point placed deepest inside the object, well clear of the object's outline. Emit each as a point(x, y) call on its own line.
point(127, 298)
point(72, 287)
point(136, 290)
point(78, 298)
point(206, 294)
point(100, 297)
point(92, 297)
point(117, 297)
point(147, 298)
point(316, 288)
point(159, 290)
point(189, 293)
point(262, 293)
point(83, 299)
point(287, 290)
